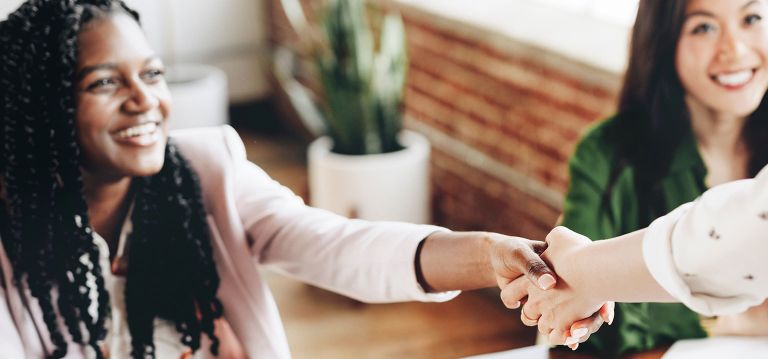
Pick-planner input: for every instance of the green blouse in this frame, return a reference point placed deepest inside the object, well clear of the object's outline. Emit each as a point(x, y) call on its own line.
point(636, 326)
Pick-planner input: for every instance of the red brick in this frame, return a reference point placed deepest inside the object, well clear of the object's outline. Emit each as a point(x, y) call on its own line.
point(513, 109)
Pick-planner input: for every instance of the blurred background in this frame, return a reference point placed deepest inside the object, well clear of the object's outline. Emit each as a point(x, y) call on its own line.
point(500, 90)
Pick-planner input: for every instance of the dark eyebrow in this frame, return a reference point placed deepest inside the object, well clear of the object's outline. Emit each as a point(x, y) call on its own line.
point(699, 13)
point(107, 66)
point(88, 69)
point(750, 4)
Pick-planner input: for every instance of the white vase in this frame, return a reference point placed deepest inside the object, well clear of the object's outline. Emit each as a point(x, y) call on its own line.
point(199, 94)
point(384, 187)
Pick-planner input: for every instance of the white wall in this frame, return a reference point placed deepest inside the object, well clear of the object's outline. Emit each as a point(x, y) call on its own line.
point(619, 11)
point(6, 6)
point(564, 28)
point(230, 34)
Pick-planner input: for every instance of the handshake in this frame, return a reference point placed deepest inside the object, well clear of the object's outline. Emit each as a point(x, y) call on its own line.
point(562, 303)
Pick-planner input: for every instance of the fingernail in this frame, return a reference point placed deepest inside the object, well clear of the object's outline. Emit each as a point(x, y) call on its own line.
point(516, 305)
point(578, 333)
point(576, 346)
point(610, 318)
point(546, 281)
point(571, 340)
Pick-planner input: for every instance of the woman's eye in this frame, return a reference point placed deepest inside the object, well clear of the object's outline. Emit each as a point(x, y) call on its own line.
point(103, 84)
point(703, 29)
point(752, 19)
point(153, 75)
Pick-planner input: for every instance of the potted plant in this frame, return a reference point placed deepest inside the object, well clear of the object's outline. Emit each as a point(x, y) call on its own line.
point(366, 166)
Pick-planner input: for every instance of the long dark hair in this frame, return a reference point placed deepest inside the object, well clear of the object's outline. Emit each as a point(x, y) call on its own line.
point(652, 105)
point(45, 226)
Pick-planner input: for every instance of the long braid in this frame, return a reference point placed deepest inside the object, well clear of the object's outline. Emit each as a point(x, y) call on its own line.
point(85, 257)
point(180, 287)
point(24, 162)
point(71, 152)
point(47, 231)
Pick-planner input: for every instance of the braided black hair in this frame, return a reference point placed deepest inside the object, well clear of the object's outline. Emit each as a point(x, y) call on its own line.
point(45, 226)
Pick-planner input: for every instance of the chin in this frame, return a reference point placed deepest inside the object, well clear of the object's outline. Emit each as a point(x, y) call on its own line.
point(740, 111)
point(150, 163)
point(147, 168)
point(147, 172)
point(740, 106)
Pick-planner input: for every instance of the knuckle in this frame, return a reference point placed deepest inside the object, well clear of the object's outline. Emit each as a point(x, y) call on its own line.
point(510, 304)
point(534, 302)
point(510, 298)
point(556, 232)
point(518, 252)
point(504, 298)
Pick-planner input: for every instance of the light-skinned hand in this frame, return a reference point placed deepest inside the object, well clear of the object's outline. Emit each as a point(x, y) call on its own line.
point(566, 313)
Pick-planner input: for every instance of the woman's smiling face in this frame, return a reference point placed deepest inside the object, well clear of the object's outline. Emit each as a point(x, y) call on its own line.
point(123, 102)
point(721, 54)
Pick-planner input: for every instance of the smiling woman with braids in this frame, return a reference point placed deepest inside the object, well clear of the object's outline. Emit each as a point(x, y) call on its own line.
point(118, 241)
point(48, 234)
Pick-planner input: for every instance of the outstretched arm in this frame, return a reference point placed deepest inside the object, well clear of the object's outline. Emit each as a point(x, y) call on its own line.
point(471, 260)
point(708, 254)
point(611, 270)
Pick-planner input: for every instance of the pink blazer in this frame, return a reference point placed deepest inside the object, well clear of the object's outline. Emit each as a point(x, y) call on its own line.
point(255, 222)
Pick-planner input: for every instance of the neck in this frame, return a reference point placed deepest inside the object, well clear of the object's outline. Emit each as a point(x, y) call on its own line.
point(720, 143)
point(715, 130)
point(108, 202)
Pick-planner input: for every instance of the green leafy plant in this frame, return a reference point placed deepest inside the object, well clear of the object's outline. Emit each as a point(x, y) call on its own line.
point(362, 81)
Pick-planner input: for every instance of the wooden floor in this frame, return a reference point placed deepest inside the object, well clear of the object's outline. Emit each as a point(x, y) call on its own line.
point(320, 324)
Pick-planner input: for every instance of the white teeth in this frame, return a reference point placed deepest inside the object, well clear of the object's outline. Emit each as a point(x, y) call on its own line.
point(734, 79)
point(139, 130)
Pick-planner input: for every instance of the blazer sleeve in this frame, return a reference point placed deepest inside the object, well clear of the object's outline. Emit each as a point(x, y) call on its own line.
point(369, 261)
point(710, 254)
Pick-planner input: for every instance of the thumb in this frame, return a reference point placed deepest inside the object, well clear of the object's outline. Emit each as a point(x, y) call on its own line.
point(536, 270)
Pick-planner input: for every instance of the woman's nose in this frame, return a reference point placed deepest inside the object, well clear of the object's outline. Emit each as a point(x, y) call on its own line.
point(731, 46)
point(141, 99)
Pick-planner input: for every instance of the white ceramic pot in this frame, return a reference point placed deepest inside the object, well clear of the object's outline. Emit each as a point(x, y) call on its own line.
point(389, 187)
point(199, 95)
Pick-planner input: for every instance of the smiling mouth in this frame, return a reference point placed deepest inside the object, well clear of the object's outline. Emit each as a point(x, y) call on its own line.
point(734, 80)
point(143, 135)
point(136, 131)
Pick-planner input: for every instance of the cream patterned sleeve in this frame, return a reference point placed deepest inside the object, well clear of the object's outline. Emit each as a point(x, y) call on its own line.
point(712, 254)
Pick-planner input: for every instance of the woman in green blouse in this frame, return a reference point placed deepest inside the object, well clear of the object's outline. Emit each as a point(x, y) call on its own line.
point(692, 115)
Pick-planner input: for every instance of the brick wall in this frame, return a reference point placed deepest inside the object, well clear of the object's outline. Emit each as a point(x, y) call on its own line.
point(502, 120)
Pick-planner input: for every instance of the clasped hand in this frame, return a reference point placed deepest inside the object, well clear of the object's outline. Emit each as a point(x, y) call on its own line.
point(564, 310)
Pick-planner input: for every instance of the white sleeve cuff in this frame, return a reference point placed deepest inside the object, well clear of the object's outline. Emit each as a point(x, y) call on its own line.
point(659, 259)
